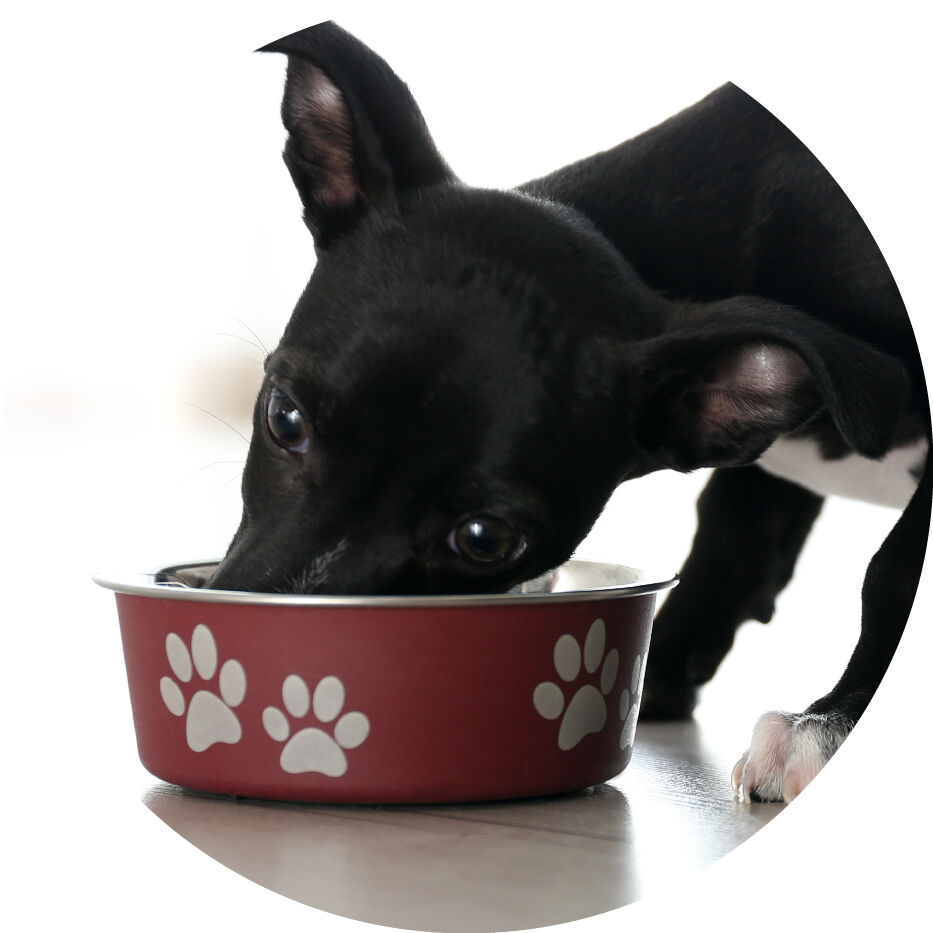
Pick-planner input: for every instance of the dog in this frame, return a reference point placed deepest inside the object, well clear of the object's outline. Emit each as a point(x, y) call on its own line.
point(470, 373)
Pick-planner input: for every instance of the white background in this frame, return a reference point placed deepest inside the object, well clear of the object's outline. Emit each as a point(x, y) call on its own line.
point(146, 212)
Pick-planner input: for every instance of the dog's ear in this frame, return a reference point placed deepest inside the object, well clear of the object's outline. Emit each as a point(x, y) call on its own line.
point(718, 390)
point(356, 138)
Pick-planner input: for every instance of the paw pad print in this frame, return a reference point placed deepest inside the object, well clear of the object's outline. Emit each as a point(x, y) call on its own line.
point(628, 703)
point(311, 748)
point(210, 717)
point(586, 712)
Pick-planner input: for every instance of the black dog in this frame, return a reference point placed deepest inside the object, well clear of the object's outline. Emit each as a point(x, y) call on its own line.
point(470, 373)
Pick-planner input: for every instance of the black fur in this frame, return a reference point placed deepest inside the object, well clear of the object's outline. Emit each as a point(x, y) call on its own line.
point(678, 301)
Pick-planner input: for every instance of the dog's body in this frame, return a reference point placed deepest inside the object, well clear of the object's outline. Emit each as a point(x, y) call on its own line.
point(470, 374)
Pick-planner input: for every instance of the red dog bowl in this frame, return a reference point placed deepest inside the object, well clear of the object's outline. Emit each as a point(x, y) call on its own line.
point(388, 699)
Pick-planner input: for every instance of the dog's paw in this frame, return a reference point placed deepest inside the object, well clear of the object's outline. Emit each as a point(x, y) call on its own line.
point(787, 751)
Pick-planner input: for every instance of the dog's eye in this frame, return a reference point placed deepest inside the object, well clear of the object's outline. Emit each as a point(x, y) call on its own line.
point(286, 422)
point(486, 539)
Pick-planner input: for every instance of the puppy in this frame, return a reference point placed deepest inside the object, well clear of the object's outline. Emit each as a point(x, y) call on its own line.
point(469, 374)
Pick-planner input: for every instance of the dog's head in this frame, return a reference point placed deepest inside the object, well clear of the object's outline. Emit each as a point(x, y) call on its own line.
point(469, 373)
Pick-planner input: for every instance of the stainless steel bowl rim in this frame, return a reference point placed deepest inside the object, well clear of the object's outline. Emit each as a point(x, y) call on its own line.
point(585, 580)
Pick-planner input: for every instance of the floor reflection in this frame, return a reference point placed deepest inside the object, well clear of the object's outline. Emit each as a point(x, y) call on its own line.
point(499, 866)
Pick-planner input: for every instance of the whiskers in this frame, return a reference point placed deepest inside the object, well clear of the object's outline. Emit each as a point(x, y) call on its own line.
point(238, 386)
point(223, 421)
point(208, 466)
point(259, 342)
point(217, 463)
point(255, 342)
point(309, 579)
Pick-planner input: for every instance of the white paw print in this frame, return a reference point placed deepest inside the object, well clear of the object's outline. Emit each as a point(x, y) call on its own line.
point(312, 749)
point(628, 704)
point(210, 717)
point(586, 711)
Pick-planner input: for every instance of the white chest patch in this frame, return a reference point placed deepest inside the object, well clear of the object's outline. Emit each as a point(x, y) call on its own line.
point(889, 481)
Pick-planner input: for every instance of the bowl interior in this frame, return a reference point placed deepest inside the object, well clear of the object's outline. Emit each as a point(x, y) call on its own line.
point(576, 580)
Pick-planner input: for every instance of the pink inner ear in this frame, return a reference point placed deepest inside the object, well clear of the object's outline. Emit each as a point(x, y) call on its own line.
point(756, 386)
point(323, 126)
point(766, 369)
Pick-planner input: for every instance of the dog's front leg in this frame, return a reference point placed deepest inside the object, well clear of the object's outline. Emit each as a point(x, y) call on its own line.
point(752, 526)
point(788, 749)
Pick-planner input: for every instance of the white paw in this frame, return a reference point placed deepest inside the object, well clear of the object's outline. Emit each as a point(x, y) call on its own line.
point(586, 711)
point(628, 703)
point(787, 751)
point(313, 749)
point(210, 718)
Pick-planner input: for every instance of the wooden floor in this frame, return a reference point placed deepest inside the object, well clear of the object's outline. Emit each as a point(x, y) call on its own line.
point(500, 866)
